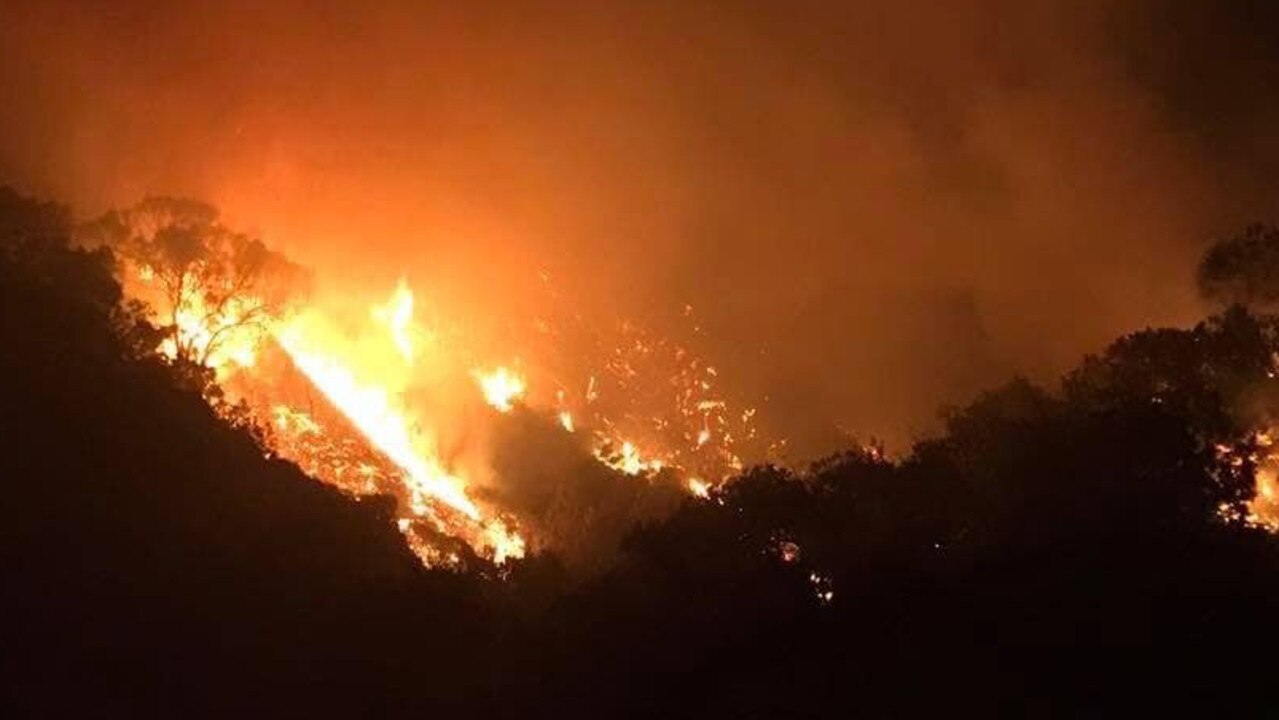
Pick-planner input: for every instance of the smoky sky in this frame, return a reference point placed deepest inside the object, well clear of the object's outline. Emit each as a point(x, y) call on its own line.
point(872, 210)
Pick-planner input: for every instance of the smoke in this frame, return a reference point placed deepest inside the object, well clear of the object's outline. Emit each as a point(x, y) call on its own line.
point(870, 211)
point(563, 497)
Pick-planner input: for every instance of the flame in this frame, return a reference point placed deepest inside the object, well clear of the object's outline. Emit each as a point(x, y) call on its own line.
point(366, 378)
point(363, 379)
point(380, 418)
point(504, 543)
point(627, 459)
point(501, 388)
point(221, 336)
point(397, 316)
point(1264, 508)
point(699, 488)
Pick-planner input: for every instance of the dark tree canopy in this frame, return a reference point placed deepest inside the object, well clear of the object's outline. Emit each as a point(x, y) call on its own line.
point(1243, 269)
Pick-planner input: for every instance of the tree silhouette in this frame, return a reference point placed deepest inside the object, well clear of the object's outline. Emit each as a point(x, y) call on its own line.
point(1243, 269)
point(215, 284)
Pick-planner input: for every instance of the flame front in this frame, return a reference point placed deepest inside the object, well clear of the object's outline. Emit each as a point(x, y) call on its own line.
point(378, 416)
point(366, 379)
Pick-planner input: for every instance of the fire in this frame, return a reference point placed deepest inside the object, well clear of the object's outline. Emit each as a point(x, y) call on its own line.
point(505, 544)
point(362, 396)
point(383, 401)
point(222, 335)
point(380, 418)
point(501, 388)
point(367, 375)
point(1264, 509)
point(626, 458)
point(367, 378)
point(636, 390)
point(699, 488)
point(397, 316)
point(286, 419)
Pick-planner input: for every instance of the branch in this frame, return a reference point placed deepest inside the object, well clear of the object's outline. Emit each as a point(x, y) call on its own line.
point(256, 317)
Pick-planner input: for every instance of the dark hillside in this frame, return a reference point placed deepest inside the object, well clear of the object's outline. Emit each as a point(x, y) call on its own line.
point(151, 554)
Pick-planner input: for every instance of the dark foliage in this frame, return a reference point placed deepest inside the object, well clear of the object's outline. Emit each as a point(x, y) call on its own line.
point(1243, 269)
point(1049, 553)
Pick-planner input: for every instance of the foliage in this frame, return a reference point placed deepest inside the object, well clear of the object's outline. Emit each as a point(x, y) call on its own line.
point(1243, 269)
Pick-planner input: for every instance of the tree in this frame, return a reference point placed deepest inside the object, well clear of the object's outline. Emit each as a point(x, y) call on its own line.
point(1243, 269)
point(1218, 378)
point(213, 289)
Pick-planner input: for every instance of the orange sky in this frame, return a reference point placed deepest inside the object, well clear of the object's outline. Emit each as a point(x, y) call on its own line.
point(872, 211)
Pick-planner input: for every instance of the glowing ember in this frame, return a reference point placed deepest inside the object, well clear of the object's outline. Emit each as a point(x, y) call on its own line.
point(821, 587)
point(287, 418)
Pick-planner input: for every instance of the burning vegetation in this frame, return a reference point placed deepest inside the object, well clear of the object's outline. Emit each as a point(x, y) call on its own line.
point(490, 386)
point(1114, 519)
point(368, 402)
